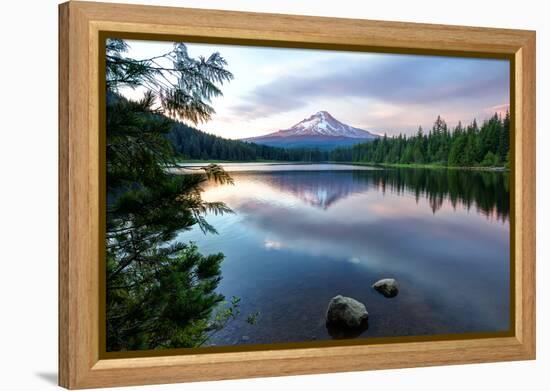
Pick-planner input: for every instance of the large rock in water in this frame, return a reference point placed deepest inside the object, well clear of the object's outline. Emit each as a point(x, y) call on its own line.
point(346, 313)
point(387, 286)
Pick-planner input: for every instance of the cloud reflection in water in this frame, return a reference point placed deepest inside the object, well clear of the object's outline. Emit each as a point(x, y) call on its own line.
point(299, 238)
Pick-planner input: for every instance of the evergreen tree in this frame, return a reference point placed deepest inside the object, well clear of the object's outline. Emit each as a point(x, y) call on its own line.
point(160, 292)
point(504, 139)
point(461, 147)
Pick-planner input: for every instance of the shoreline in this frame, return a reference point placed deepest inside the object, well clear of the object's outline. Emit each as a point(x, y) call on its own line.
point(436, 166)
point(385, 165)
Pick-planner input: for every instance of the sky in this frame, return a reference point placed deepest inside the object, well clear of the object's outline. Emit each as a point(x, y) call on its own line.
point(275, 88)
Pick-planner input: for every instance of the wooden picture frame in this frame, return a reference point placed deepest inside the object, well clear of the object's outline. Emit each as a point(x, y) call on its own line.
point(83, 24)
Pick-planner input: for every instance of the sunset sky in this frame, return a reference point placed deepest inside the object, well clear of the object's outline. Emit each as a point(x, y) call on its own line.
point(385, 93)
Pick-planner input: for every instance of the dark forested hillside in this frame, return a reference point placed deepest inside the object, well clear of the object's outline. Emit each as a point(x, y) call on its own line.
point(468, 146)
point(192, 143)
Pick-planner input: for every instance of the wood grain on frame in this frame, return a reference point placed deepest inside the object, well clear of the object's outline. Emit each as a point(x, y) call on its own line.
point(80, 174)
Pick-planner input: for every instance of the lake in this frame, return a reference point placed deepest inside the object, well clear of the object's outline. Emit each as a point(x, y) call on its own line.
point(302, 234)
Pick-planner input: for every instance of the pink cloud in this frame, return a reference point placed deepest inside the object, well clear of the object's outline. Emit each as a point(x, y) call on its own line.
point(499, 109)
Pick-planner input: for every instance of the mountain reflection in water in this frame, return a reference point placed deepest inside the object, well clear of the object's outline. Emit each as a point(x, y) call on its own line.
point(300, 237)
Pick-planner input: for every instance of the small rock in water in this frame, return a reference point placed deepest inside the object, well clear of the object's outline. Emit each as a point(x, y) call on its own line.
point(346, 312)
point(346, 318)
point(245, 337)
point(387, 286)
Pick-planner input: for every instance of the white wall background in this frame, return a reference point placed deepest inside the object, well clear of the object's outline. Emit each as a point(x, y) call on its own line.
point(28, 193)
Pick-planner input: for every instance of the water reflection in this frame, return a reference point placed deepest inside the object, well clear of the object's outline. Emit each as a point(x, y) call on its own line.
point(320, 188)
point(337, 332)
point(301, 237)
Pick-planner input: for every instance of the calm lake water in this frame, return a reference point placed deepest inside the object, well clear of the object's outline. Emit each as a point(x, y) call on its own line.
point(302, 234)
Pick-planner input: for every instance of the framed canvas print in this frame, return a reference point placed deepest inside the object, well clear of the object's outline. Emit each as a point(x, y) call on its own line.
point(247, 195)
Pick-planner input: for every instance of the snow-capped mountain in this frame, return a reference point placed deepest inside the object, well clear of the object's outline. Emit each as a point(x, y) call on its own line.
point(323, 124)
point(321, 130)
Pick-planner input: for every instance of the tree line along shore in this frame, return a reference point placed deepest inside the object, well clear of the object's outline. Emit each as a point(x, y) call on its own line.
point(472, 146)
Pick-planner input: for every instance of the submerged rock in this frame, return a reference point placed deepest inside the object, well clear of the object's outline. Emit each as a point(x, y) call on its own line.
point(387, 286)
point(345, 313)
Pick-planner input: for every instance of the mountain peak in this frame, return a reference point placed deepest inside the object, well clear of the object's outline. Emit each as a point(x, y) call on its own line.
point(320, 128)
point(322, 113)
point(323, 123)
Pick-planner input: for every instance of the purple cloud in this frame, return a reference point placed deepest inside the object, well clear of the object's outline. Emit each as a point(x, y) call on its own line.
point(397, 79)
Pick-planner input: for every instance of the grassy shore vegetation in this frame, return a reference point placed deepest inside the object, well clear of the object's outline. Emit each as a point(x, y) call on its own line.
point(218, 161)
point(431, 166)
